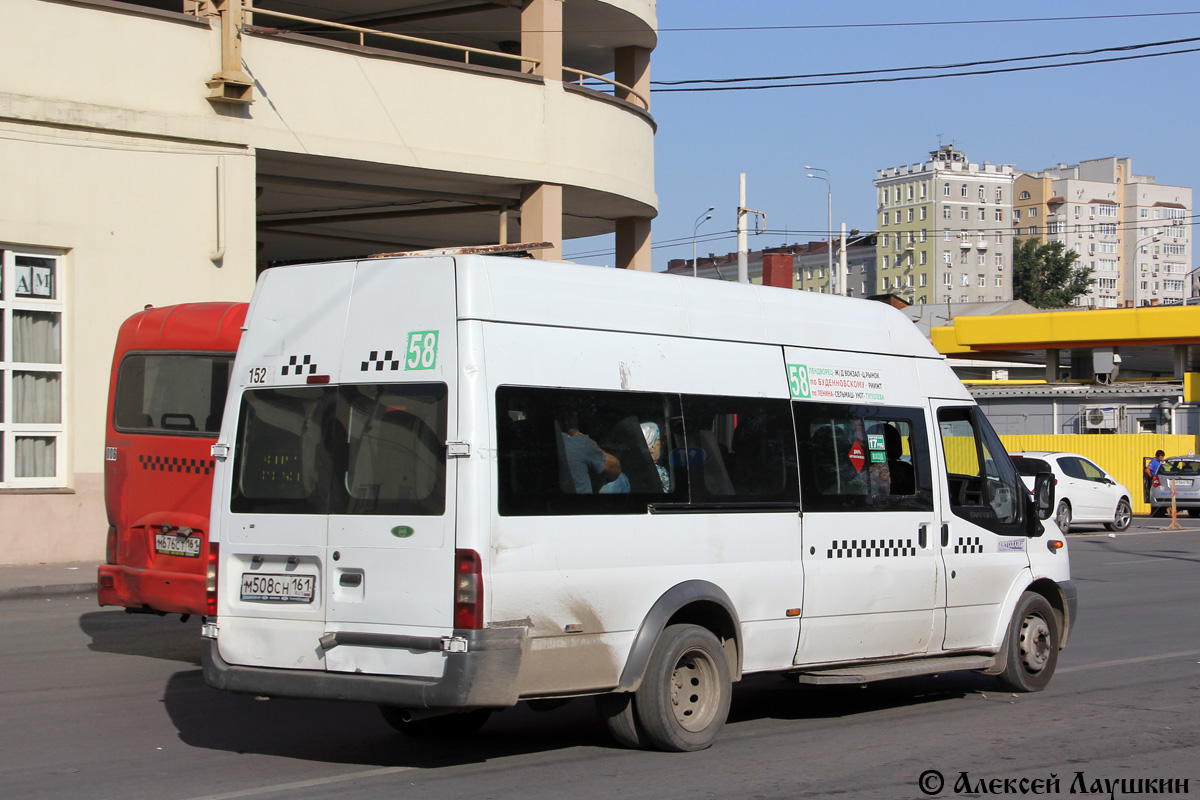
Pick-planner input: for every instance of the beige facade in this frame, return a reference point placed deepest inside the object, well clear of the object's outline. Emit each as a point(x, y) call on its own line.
point(1131, 230)
point(943, 230)
point(155, 156)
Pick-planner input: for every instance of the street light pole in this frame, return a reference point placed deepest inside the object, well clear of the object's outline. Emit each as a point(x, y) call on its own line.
point(706, 217)
point(829, 197)
point(1153, 237)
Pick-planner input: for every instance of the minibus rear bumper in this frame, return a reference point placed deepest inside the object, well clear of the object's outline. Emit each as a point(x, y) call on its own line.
point(485, 676)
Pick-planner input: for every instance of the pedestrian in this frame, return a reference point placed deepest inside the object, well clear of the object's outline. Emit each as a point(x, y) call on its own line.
point(1151, 473)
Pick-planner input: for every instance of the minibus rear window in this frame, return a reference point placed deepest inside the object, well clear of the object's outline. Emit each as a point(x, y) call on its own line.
point(171, 393)
point(365, 449)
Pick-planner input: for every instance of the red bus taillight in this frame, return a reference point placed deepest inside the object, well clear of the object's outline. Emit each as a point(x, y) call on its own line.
point(110, 546)
point(468, 590)
point(210, 580)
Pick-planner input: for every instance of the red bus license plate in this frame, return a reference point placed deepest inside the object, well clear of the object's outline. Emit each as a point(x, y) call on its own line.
point(169, 544)
point(278, 588)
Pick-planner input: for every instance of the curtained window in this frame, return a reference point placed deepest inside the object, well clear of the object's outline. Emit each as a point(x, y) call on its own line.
point(31, 369)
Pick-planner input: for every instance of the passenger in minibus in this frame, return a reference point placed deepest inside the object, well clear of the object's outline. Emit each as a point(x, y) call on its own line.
point(585, 458)
point(654, 443)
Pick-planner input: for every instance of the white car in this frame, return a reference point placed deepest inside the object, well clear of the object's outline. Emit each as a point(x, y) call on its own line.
point(1084, 491)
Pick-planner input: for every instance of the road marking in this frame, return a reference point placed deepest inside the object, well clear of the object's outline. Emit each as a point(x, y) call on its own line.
point(283, 787)
point(1124, 661)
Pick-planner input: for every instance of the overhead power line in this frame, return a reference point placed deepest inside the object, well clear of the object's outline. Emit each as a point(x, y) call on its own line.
point(926, 77)
point(962, 65)
point(853, 25)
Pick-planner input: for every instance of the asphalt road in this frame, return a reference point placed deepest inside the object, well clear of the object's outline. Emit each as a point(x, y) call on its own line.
point(98, 703)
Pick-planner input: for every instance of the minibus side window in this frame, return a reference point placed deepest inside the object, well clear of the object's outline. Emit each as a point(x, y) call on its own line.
point(981, 479)
point(171, 393)
point(571, 451)
point(863, 458)
point(740, 450)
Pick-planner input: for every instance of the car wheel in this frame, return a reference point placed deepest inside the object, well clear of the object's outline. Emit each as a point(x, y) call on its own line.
point(1031, 645)
point(1193, 512)
point(684, 698)
point(1122, 518)
point(1062, 517)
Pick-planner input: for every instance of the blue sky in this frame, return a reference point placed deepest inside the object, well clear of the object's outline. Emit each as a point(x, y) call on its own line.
point(1143, 109)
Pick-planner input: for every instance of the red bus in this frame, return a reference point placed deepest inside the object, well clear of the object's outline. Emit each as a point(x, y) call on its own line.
point(166, 393)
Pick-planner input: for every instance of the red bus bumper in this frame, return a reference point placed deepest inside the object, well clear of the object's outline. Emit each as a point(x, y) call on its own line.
point(154, 590)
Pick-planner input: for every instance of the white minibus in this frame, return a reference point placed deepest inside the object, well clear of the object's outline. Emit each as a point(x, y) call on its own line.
point(448, 484)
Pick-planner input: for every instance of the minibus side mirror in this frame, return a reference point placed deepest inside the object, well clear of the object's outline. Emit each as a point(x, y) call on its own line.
point(1043, 494)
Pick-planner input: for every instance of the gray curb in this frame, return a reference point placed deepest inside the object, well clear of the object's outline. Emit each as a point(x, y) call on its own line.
point(53, 590)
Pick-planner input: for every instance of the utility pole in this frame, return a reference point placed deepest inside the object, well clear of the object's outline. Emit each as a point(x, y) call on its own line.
point(843, 278)
point(743, 254)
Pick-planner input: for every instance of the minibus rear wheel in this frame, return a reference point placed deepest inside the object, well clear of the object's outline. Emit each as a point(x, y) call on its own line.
point(684, 697)
point(1031, 644)
point(459, 723)
point(620, 718)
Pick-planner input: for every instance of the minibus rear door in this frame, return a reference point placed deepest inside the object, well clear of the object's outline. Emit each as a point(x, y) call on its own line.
point(390, 571)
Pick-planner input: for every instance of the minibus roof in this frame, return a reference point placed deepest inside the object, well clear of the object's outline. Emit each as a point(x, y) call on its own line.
point(574, 296)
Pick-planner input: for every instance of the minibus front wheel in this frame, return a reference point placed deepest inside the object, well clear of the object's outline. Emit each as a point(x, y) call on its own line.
point(1031, 645)
point(684, 698)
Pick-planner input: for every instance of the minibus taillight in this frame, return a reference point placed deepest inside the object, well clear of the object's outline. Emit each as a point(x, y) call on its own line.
point(468, 590)
point(110, 546)
point(210, 580)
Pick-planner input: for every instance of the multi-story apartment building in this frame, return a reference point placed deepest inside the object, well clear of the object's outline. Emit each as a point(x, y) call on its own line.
point(1131, 230)
point(944, 230)
point(162, 151)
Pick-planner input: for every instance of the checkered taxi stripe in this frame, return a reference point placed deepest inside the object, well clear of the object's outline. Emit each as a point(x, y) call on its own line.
point(378, 363)
point(298, 365)
point(872, 548)
point(191, 466)
point(968, 544)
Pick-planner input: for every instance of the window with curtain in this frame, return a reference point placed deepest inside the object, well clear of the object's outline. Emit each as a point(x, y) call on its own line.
point(31, 369)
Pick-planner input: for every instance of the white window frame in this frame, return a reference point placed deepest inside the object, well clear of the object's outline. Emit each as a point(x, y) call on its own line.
point(10, 430)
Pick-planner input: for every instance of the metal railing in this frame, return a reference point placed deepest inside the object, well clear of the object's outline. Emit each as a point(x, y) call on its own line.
point(615, 84)
point(465, 50)
point(364, 32)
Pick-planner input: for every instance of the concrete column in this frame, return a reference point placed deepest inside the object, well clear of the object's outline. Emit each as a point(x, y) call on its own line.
point(1051, 366)
point(632, 68)
point(633, 243)
point(541, 218)
point(1181, 361)
point(541, 36)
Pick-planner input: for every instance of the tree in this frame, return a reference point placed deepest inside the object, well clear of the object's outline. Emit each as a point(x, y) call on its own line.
point(1045, 275)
